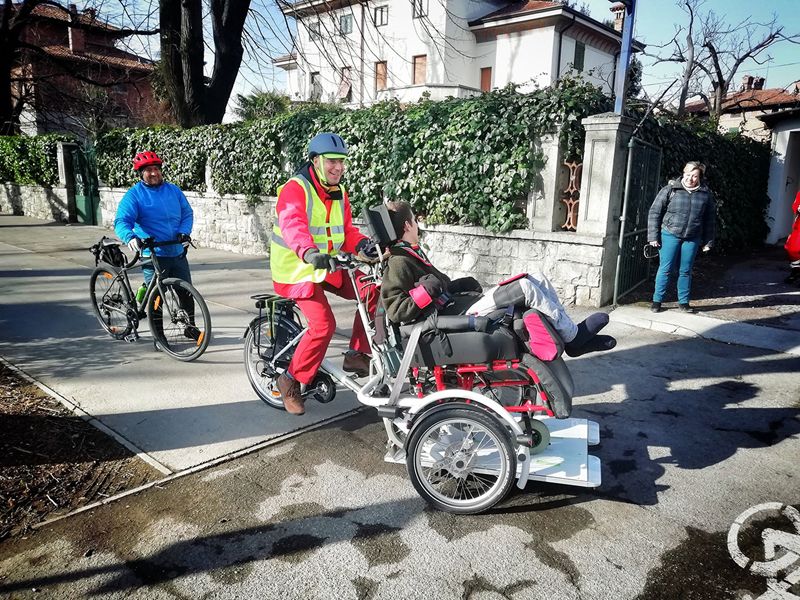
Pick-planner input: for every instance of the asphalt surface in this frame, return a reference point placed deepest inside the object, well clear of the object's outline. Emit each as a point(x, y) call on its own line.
point(693, 432)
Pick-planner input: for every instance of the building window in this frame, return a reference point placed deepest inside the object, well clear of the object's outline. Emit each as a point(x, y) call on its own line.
point(420, 67)
point(420, 8)
point(346, 24)
point(381, 16)
point(345, 91)
point(315, 87)
point(486, 79)
point(313, 30)
point(580, 56)
point(380, 75)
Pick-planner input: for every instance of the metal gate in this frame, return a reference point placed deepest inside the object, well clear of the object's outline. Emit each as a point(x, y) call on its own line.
point(87, 193)
point(641, 187)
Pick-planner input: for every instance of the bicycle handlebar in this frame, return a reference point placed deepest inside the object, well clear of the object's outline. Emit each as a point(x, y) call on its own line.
point(150, 244)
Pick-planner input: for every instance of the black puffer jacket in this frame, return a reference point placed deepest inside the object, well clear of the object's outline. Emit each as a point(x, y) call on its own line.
point(684, 214)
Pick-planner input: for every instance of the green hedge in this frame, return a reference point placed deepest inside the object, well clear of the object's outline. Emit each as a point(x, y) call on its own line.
point(30, 160)
point(737, 173)
point(460, 161)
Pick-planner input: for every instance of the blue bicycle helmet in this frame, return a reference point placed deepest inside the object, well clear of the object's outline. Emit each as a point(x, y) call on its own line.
point(328, 144)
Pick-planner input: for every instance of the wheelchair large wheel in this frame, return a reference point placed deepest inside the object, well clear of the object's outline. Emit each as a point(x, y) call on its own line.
point(263, 381)
point(461, 460)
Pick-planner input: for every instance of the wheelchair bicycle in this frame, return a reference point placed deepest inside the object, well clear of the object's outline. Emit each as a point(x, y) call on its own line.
point(468, 403)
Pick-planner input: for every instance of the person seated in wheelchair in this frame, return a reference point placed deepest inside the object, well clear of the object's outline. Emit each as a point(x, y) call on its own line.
point(412, 288)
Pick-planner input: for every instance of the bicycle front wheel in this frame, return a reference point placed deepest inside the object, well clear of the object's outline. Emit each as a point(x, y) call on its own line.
point(111, 301)
point(179, 319)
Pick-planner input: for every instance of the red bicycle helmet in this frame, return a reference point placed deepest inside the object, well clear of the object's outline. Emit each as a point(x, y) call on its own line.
point(145, 159)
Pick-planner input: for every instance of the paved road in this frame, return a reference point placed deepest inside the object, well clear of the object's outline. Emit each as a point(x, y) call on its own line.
point(693, 433)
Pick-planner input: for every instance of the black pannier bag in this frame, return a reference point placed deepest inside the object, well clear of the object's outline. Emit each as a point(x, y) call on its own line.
point(107, 250)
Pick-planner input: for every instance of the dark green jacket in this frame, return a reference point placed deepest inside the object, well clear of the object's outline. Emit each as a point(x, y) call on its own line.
point(405, 267)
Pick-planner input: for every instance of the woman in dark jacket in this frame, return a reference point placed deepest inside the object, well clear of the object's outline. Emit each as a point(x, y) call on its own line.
point(681, 221)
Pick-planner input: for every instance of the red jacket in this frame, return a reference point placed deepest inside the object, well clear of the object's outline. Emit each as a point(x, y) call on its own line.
point(293, 222)
point(793, 243)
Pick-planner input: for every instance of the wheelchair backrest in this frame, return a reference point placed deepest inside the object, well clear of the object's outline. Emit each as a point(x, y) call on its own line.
point(379, 224)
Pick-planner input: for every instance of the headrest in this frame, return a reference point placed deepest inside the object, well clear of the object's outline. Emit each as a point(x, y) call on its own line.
point(379, 225)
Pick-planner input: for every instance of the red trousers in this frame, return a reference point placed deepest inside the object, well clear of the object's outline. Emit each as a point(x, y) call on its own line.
point(311, 349)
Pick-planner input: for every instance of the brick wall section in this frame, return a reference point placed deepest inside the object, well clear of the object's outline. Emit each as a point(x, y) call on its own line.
point(572, 262)
point(39, 202)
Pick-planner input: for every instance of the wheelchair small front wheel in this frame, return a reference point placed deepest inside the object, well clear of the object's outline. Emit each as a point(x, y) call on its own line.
point(541, 437)
point(461, 460)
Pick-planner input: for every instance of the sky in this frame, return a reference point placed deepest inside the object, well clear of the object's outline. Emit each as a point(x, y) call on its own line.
point(655, 22)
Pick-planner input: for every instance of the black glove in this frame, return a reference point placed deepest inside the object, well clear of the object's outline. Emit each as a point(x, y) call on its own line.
point(432, 285)
point(465, 284)
point(185, 239)
point(367, 250)
point(319, 260)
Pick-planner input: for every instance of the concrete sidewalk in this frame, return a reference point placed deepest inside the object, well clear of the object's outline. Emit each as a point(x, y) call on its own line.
point(180, 414)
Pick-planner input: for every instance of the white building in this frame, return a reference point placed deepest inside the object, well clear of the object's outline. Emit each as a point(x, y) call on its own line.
point(362, 52)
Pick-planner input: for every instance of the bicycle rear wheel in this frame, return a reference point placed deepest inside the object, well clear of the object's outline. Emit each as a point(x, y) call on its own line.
point(259, 348)
point(179, 319)
point(111, 301)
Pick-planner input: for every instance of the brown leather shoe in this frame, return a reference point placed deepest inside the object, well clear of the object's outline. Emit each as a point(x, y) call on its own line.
point(357, 362)
point(290, 392)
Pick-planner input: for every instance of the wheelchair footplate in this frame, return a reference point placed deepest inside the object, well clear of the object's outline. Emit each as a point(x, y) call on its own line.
point(566, 460)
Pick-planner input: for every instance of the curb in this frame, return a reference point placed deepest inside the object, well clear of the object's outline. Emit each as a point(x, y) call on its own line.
point(729, 332)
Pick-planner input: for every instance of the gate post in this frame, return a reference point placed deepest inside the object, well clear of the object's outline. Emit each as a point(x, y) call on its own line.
point(602, 187)
point(546, 212)
point(66, 177)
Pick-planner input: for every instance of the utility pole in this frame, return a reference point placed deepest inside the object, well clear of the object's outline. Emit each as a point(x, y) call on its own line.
point(621, 80)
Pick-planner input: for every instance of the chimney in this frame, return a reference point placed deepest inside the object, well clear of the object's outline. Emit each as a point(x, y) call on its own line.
point(90, 12)
point(747, 83)
point(619, 16)
point(758, 83)
point(73, 10)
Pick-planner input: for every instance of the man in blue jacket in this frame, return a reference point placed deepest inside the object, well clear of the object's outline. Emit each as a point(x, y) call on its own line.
point(157, 209)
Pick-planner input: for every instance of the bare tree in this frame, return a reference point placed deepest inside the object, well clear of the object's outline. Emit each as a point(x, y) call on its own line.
point(728, 48)
point(711, 52)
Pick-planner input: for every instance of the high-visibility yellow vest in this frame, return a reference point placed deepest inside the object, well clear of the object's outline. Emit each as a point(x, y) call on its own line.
point(285, 265)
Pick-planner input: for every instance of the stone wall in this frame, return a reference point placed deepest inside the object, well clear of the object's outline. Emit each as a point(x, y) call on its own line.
point(225, 223)
point(572, 262)
point(39, 202)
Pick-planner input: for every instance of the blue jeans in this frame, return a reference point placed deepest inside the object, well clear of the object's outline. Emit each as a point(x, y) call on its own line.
point(172, 266)
point(676, 254)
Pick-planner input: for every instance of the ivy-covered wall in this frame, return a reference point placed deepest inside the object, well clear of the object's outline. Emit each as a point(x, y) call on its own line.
point(30, 160)
point(461, 161)
point(458, 162)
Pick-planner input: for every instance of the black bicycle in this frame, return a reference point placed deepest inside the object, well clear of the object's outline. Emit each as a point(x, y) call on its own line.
point(176, 312)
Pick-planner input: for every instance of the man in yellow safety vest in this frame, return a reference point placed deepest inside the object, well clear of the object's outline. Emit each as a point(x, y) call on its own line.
point(313, 223)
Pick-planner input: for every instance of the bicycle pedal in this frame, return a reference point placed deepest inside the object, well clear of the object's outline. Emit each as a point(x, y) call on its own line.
point(132, 337)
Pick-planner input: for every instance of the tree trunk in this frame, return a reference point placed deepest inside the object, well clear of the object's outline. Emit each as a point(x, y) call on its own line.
point(195, 102)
